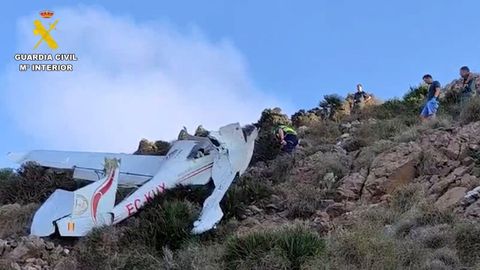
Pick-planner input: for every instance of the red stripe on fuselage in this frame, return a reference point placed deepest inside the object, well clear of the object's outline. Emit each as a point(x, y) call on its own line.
point(98, 194)
point(196, 172)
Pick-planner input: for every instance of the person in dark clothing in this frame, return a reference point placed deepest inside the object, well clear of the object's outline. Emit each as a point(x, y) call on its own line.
point(469, 85)
point(431, 106)
point(360, 98)
point(287, 137)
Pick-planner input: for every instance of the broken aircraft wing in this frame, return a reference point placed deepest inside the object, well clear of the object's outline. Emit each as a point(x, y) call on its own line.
point(136, 169)
point(219, 157)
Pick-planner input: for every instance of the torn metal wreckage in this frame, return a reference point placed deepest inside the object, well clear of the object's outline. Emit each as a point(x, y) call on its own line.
point(219, 157)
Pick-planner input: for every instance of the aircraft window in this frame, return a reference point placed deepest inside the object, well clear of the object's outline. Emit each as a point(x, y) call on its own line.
point(198, 152)
point(214, 141)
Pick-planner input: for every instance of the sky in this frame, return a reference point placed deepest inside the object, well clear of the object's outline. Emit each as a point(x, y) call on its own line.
point(147, 69)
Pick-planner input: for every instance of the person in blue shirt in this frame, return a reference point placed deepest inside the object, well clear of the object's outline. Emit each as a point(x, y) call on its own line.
point(429, 111)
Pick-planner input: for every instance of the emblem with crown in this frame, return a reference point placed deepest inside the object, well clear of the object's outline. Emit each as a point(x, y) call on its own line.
point(46, 14)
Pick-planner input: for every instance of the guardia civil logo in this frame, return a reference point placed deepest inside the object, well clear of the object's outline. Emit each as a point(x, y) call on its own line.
point(43, 32)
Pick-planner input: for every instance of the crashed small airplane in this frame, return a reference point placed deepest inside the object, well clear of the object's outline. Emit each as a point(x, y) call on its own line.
point(219, 157)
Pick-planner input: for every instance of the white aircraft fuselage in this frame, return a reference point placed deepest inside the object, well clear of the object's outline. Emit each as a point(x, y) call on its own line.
point(220, 157)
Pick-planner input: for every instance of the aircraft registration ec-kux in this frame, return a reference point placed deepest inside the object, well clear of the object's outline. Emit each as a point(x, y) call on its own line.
point(219, 157)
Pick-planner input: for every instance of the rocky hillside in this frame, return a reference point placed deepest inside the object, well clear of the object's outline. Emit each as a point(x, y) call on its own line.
point(374, 190)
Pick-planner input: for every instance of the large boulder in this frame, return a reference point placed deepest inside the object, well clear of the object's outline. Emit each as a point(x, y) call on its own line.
point(305, 118)
point(456, 143)
point(32, 253)
point(451, 198)
point(157, 148)
point(391, 170)
point(351, 187)
point(473, 210)
point(439, 187)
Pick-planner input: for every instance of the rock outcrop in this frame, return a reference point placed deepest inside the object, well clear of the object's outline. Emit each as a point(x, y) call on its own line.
point(391, 170)
point(29, 253)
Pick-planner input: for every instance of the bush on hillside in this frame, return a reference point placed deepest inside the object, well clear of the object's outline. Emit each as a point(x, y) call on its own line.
point(325, 132)
point(295, 244)
point(467, 242)
point(104, 249)
point(331, 106)
point(450, 104)
point(471, 111)
point(301, 201)
point(5, 174)
point(369, 133)
point(198, 256)
point(406, 112)
point(33, 184)
point(162, 223)
point(416, 95)
point(16, 219)
point(246, 191)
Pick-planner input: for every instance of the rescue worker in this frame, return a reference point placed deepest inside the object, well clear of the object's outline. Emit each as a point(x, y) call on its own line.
point(431, 106)
point(360, 98)
point(469, 88)
point(287, 136)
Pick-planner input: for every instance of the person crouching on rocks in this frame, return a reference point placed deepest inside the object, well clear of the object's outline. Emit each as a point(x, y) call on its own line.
point(287, 136)
point(431, 106)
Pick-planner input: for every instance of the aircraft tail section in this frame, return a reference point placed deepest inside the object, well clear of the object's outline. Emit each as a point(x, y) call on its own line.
point(80, 211)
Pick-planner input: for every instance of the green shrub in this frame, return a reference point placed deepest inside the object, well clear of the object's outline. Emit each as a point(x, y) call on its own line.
point(379, 216)
point(299, 244)
point(435, 237)
point(406, 198)
point(408, 135)
point(193, 194)
point(447, 256)
point(296, 244)
point(467, 242)
point(301, 201)
point(5, 174)
point(97, 248)
point(16, 219)
point(370, 133)
point(450, 104)
point(104, 249)
point(424, 214)
point(245, 191)
point(33, 184)
point(323, 133)
point(278, 170)
point(198, 256)
point(416, 95)
point(363, 247)
point(406, 110)
point(333, 104)
point(162, 223)
point(471, 111)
